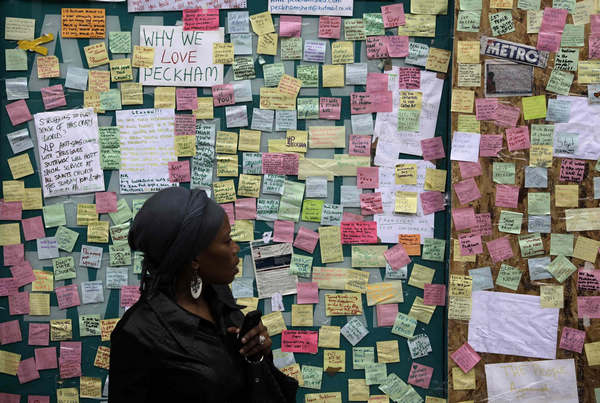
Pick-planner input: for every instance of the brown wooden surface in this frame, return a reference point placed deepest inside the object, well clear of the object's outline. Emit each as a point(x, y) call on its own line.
point(588, 377)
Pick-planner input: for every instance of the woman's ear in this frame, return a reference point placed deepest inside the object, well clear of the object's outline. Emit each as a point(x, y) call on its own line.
point(195, 264)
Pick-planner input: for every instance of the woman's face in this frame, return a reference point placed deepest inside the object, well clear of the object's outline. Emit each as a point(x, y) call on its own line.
point(217, 264)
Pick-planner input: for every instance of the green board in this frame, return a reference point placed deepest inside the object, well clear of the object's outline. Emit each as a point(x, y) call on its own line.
point(47, 15)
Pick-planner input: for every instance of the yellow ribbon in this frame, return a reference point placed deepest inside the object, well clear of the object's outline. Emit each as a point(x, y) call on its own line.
point(35, 44)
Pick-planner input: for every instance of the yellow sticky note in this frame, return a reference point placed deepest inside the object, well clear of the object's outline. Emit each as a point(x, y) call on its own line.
point(459, 308)
point(267, 44)
point(9, 362)
point(226, 142)
point(249, 185)
point(462, 100)
point(460, 285)
point(462, 381)
point(17, 29)
point(507, 4)
point(102, 359)
point(61, 329)
point(387, 351)
point(86, 213)
point(44, 281)
point(432, 399)
point(98, 80)
point(302, 315)
point(420, 311)
point(164, 97)
point(205, 108)
point(343, 304)
point(294, 371)
point(534, 107)
point(592, 353)
point(385, 292)
point(333, 75)
point(406, 202)
point(106, 328)
point(277, 146)
point(185, 146)
point(13, 190)
point(96, 55)
point(10, 234)
point(143, 56)
point(289, 85)
point(132, 94)
point(588, 71)
point(540, 155)
point(368, 255)
point(296, 141)
point(90, 387)
point(411, 100)
point(274, 323)
point(39, 304)
point(120, 70)
point(342, 52)
point(224, 191)
point(586, 249)
point(358, 390)
point(552, 296)
point(468, 51)
point(418, 25)
point(20, 166)
point(435, 179)
point(33, 199)
point(98, 232)
point(331, 244)
point(329, 336)
point(262, 23)
point(49, 67)
point(272, 98)
point(420, 275)
point(227, 165)
point(566, 195)
point(334, 360)
point(91, 99)
point(438, 60)
point(468, 123)
point(249, 140)
point(249, 303)
point(406, 174)
point(222, 53)
point(243, 231)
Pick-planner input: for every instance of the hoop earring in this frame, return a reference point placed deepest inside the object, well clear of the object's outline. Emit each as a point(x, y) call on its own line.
point(196, 285)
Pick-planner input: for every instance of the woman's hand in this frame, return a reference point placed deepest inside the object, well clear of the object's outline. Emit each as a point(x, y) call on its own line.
point(251, 341)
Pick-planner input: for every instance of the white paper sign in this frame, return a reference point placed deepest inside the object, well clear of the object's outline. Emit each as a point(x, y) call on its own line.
point(513, 324)
point(69, 152)
point(134, 6)
point(532, 381)
point(147, 146)
point(181, 58)
point(312, 7)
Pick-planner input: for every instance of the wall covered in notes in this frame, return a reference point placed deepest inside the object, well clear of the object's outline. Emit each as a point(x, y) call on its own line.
point(323, 132)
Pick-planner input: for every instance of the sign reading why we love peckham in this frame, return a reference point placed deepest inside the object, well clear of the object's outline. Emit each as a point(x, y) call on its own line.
point(181, 58)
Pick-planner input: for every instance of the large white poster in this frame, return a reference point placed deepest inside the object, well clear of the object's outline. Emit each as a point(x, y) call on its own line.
point(69, 152)
point(134, 6)
point(147, 146)
point(181, 58)
point(312, 7)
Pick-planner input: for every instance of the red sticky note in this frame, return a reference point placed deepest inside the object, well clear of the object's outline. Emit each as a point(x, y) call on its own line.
point(588, 307)
point(67, 296)
point(308, 293)
point(245, 209)
point(199, 19)
point(299, 341)
point(10, 332)
point(306, 240)
point(432, 202)
point(490, 145)
point(45, 358)
point(377, 47)
point(39, 334)
point(223, 95)
point(330, 108)
point(517, 138)
point(129, 295)
point(393, 15)
point(470, 244)
point(280, 163)
point(377, 82)
point(38, 399)
point(27, 371)
point(594, 46)
point(106, 202)
point(290, 26)
point(363, 232)
point(572, 339)
point(351, 217)
point(360, 144)
point(18, 112)
point(371, 203)
point(465, 357)
point(467, 191)
point(53, 97)
point(179, 171)
point(433, 149)
point(10, 210)
point(507, 196)
point(595, 23)
point(434, 294)
point(500, 249)
point(409, 78)
point(33, 228)
point(386, 314)
point(187, 99)
point(367, 177)
point(463, 218)
point(397, 46)
point(283, 231)
point(228, 207)
point(397, 257)
point(572, 170)
point(22, 273)
point(329, 27)
point(507, 115)
point(185, 125)
point(9, 398)
point(420, 375)
point(14, 254)
point(469, 169)
point(484, 224)
point(485, 108)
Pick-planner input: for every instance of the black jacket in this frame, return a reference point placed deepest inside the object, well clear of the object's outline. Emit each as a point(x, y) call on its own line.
point(162, 353)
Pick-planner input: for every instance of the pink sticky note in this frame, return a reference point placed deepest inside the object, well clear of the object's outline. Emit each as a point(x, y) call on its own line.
point(360, 144)
point(517, 138)
point(434, 294)
point(53, 97)
point(299, 341)
point(465, 357)
point(9, 398)
point(223, 95)
point(470, 244)
point(69, 369)
point(22, 273)
point(382, 101)
point(70, 350)
point(507, 196)
point(469, 169)
point(10, 332)
point(185, 125)
point(594, 46)
point(467, 191)
point(38, 399)
point(484, 224)
point(420, 375)
point(371, 203)
point(283, 231)
point(588, 279)
point(39, 334)
point(14, 254)
point(396, 256)
point(377, 47)
point(67, 296)
point(490, 145)
point(330, 108)
point(8, 286)
point(507, 115)
point(548, 41)
point(595, 23)
point(362, 102)
point(198, 19)
point(397, 46)
point(386, 314)
point(280, 163)
point(393, 15)
point(187, 99)
point(306, 240)
point(377, 82)
point(351, 217)
point(45, 358)
point(367, 177)
point(245, 209)
point(588, 307)
point(572, 170)
point(432, 202)
point(308, 293)
point(363, 232)
point(27, 371)
point(572, 339)
point(554, 19)
point(290, 26)
point(499, 249)
point(18, 304)
point(129, 295)
point(228, 207)
point(485, 108)
point(10, 210)
point(433, 149)
point(33, 228)
point(409, 78)
point(18, 112)
point(463, 218)
point(106, 202)
point(329, 27)
point(179, 171)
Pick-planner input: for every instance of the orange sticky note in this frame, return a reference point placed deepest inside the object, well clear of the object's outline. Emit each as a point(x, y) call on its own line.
point(83, 23)
point(411, 243)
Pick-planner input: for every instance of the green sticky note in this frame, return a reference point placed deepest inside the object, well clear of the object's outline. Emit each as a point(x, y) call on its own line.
point(291, 201)
point(66, 238)
point(308, 108)
point(309, 74)
point(564, 4)
point(110, 159)
point(109, 137)
point(531, 245)
point(542, 135)
point(110, 100)
point(243, 68)
point(561, 244)
point(509, 277)
point(272, 74)
point(332, 214)
point(561, 268)
point(375, 373)
point(119, 42)
point(266, 209)
point(122, 214)
point(54, 215)
point(361, 356)
point(597, 166)
point(504, 173)
point(119, 233)
point(529, 4)
point(312, 209)
point(408, 120)
point(64, 268)
point(471, 5)
point(273, 184)
point(136, 205)
point(534, 107)
point(502, 23)
point(566, 59)
point(597, 393)
point(89, 325)
point(373, 24)
point(538, 203)
point(291, 48)
point(312, 376)
point(397, 390)
point(560, 82)
point(301, 265)
point(573, 36)
point(468, 21)
point(433, 249)
point(120, 255)
point(404, 325)
point(137, 262)
point(354, 29)
point(16, 60)
point(510, 222)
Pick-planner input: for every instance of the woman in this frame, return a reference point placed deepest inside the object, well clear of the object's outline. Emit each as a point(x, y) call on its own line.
point(178, 343)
